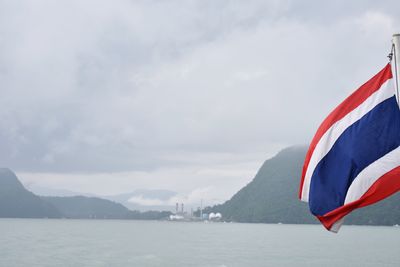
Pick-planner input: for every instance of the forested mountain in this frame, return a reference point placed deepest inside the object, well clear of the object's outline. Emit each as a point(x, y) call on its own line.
point(80, 207)
point(271, 197)
point(133, 200)
point(17, 202)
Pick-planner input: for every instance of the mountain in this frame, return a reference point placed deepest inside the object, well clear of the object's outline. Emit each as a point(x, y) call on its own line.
point(80, 207)
point(53, 192)
point(271, 197)
point(140, 199)
point(17, 202)
point(145, 199)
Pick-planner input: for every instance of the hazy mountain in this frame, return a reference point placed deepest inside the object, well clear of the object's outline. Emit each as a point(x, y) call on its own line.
point(271, 197)
point(141, 199)
point(81, 207)
point(145, 199)
point(52, 192)
point(88, 207)
point(17, 202)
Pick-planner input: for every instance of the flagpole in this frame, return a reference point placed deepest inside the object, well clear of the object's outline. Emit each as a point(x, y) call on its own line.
point(396, 44)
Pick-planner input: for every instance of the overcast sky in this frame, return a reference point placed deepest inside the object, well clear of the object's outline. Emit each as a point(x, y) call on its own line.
point(107, 97)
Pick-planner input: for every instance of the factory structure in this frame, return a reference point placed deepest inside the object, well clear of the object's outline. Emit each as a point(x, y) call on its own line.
point(181, 215)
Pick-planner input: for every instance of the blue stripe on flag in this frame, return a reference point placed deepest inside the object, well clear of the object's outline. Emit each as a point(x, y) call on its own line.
point(365, 141)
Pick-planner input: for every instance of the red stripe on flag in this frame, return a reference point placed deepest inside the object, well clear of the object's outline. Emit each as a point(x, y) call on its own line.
point(385, 186)
point(349, 104)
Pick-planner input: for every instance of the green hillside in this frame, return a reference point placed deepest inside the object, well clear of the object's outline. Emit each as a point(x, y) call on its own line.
point(271, 197)
point(80, 207)
point(17, 202)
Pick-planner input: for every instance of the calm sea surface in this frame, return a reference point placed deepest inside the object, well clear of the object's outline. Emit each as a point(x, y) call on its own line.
point(25, 242)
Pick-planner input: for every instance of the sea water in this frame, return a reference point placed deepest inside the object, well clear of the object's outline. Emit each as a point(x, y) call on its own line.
point(47, 242)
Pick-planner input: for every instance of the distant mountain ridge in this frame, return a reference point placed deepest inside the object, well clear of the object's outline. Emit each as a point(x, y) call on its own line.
point(17, 202)
point(81, 207)
point(156, 199)
point(271, 197)
point(133, 199)
point(53, 192)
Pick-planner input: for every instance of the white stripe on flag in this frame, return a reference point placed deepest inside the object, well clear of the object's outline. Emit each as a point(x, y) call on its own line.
point(333, 133)
point(336, 226)
point(367, 177)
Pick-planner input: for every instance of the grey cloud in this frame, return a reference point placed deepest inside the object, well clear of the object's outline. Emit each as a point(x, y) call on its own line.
point(95, 86)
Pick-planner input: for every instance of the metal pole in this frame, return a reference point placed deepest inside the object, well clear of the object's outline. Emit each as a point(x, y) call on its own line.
point(201, 209)
point(396, 43)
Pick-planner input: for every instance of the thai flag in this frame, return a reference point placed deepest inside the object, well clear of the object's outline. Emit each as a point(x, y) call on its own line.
point(354, 158)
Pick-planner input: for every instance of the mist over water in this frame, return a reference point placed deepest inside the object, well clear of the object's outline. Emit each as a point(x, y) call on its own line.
point(156, 243)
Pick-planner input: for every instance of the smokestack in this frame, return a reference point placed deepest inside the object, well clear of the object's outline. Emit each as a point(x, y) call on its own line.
point(182, 207)
point(177, 207)
point(201, 209)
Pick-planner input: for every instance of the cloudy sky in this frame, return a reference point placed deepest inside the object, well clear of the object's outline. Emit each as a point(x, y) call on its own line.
point(107, 97)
